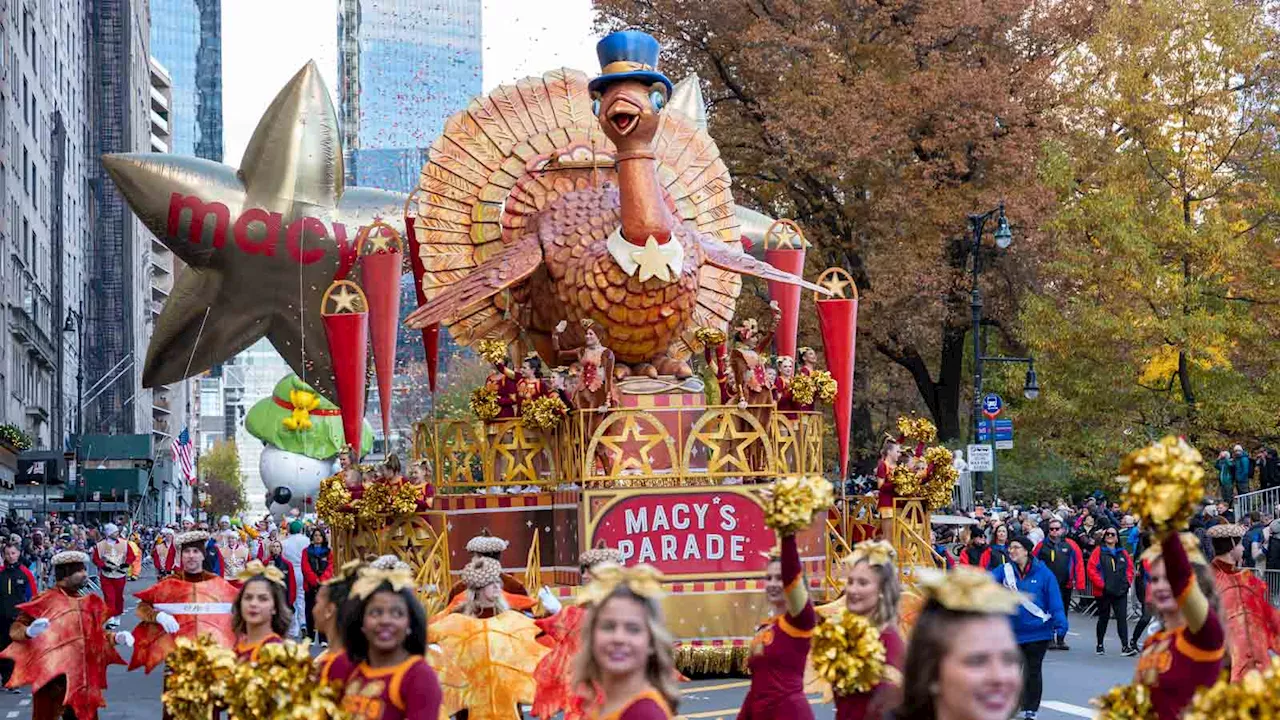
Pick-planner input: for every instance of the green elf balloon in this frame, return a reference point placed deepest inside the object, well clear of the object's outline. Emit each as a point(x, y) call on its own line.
point(302, 432)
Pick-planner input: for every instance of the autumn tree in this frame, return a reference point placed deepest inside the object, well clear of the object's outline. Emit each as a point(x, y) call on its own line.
point(878, 126)
point(221, 480)
point(1160, 303)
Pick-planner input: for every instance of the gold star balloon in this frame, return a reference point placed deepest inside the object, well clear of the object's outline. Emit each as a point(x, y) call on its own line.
point(262, 242)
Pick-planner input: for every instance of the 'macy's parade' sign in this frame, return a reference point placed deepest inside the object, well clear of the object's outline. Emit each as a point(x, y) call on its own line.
point(684, 532)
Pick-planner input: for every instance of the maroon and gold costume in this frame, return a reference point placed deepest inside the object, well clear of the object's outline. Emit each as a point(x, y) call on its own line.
point(805, 407)
point(66, 665)
point(779, 652)
point(1175, 663)
point(503, 382)
point(248, 652)
point(113, 558)
point(1253, 626)
point(408, 691)
point(884, 499)
point(782, 396)
point(335, 667)
point(554, 674)
point(648, 705)
point(887, 694)
point(200, 603)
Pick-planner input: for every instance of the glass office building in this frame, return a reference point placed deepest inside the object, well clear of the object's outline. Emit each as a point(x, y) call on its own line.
point(186, 37)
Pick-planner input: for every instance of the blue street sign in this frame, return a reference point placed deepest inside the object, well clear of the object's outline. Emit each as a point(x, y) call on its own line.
point(992, 405)
point(1004, 430)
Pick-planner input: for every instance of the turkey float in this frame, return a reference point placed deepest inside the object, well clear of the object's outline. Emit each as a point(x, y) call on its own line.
point(558, 199)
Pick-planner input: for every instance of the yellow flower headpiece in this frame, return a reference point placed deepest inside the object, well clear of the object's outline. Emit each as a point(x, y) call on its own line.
point(255, 568)
point(642, 580)
point(492, 351)
point(967, 589)
point(872, 552)
point(370, 579)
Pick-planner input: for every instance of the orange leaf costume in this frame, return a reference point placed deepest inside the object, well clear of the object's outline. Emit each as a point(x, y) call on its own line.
point(74, 651)
point(200, 604)
point(496, 658)
point(554, 674)
point(1253, 626)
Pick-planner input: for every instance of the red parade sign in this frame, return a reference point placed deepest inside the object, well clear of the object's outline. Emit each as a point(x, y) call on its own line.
point(694, 533)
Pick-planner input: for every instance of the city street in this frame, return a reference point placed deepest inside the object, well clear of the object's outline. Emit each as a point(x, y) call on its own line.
point(1071, 679)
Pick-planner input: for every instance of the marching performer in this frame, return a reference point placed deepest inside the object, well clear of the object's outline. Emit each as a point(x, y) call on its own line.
point(58, 647)
point(489, 546)
point(1252, 624)
point(190, 603)
point(162, 554)
point(873, 591)
point(962, 660)
point(781, 646)
point(385, 637)
point(330, 615)
point(260, 614)
point(808, 366)
point(890, 452)
point(113, 556)
point(1187, 653)
point(554, 674)
point(628, 653)
point(235, 554)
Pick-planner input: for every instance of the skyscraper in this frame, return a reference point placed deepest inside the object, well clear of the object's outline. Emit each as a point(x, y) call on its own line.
point(404, 66)
point(186, 37)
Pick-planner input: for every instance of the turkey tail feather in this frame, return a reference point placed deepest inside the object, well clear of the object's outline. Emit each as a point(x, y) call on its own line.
point(721, 256)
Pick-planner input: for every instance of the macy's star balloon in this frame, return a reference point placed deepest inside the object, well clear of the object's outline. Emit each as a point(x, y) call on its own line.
point(262, 243)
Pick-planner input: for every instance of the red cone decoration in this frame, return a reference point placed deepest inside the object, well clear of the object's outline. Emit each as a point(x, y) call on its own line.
point(381, 264)
point(838, 319)
point(784, 246)
point(430, 335)
point(344, 310)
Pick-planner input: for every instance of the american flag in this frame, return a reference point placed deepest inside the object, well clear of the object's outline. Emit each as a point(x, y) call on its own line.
point(183, 456)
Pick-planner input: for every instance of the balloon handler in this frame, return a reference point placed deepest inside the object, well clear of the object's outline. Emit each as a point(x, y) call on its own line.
point(59, 647)
point(189, 603)
point(303, 434)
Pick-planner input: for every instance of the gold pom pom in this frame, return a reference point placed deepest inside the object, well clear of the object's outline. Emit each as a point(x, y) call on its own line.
point(200, 672)
point(1163, 484)
point(1125, 702)
point(847, 653)
point(792, 502)
point(940, 477)
point(826, 385)
point(905, 482)
point(384, 500)
point(543, 413)
point(1255, 697)
point(283, 683)
point(333, 504)
point(804, 388)
point(492, 351)
point(484, 403)
point(709, 336)
point(917, 430)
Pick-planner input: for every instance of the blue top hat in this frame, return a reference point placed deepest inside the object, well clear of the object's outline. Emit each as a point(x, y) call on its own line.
point(628, 55)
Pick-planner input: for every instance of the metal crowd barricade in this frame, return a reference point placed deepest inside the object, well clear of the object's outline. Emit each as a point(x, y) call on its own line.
point(1263, 501)
point(1272, 578)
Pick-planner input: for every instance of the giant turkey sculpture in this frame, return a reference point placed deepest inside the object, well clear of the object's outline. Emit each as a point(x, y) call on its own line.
point(529, 216)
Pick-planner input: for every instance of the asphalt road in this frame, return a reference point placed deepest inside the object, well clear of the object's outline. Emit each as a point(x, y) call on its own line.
point(1071, 678)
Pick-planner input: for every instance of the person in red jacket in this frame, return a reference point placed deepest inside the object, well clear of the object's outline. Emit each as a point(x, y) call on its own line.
point(1064, 558)
point(275, 557)
point(997, 553)
point(1111, 572)
point(317, 567)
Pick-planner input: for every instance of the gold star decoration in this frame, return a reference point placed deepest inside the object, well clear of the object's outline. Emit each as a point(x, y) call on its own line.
point(659, 260)
point(835, 280)
point(345, 301)
point(263, 241)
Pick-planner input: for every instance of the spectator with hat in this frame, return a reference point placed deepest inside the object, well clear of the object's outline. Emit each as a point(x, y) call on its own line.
point(64, 618)
point(293, 547)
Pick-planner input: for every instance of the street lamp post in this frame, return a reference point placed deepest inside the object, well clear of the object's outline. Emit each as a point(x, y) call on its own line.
point(1031, 387)
point(75, 323)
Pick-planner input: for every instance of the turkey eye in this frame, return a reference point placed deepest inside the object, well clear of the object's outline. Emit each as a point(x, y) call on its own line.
point(658, 99)
point(595, 107)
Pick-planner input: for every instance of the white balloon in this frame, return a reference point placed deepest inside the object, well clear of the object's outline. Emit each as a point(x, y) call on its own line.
point(301, 474)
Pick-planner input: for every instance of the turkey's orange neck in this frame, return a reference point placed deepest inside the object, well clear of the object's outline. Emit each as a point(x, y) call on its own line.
point(644, 212)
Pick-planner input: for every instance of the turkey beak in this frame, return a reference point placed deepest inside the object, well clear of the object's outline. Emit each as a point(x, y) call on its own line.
point(624, 116)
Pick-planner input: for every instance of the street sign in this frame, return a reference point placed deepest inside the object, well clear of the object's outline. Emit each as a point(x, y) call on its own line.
point(1003, 432)
point(992, 405)
point(981, 458)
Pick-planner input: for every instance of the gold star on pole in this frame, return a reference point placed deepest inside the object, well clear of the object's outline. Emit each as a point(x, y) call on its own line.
point(345, 301)
point(263, 241)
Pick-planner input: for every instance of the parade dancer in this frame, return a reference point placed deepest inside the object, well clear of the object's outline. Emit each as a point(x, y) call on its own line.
point(755, 395)
point(235, 554)
point(1252, 624)
point(162, 554)
point(58, 647)
point(554, 674)
point(781, 646)
point(628, 658)
point(596, 391)
point(113, 556)
point(890, 452)
point(962, 660)
point(490, 546)
point(190, 603)
point(330, 616)
point(385, 638)
point(873, 591)
point(260, 614)
point(1187, 653)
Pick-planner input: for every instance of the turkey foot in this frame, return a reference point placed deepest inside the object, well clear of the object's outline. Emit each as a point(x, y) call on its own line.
point(666, 365)
point(644, 370)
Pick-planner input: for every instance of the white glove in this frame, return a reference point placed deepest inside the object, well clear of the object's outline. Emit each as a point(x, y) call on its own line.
point(742, 404)
point(37, 628)
point(548, 600)
point(167, 621)
point(125, 638)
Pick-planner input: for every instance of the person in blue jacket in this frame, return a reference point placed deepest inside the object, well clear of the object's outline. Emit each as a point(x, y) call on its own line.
point(1040, 619)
